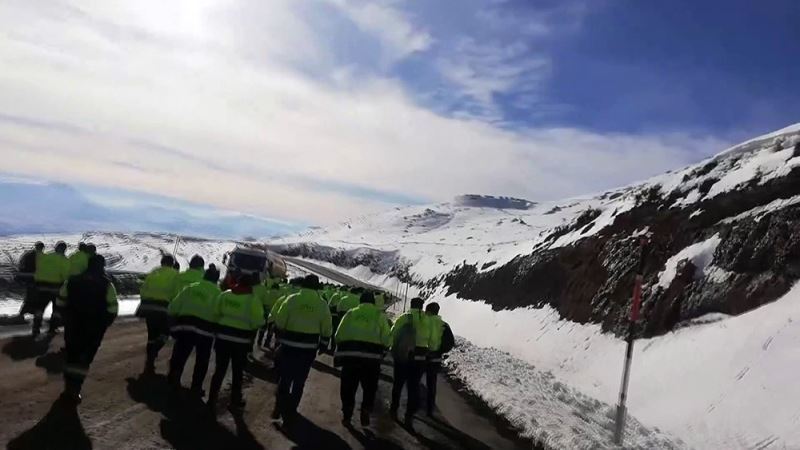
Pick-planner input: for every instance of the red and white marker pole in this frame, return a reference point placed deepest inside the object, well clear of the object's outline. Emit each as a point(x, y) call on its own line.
point(634, 316)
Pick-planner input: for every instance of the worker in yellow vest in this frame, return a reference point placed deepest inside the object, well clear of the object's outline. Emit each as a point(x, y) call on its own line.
point(156, 292)
point(52, 270)
point(240, 314)
point(303, 324)
point(194, 317)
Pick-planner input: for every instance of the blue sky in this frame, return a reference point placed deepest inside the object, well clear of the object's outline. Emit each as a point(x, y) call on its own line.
point(312, 111)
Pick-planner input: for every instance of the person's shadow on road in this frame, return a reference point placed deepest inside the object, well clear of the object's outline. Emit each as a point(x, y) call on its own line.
point(187, 423)
point(60, 428)
point(26, 347)
point(151, 390)
point(52, 362)
point(308, 436)
point(370, 441)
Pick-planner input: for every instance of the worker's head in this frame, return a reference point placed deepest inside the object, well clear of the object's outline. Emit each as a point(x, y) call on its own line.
point(432, 309)
point(39, 246)
point(82, 247)
point(97, 264)
point(197, 262)
point(167, 261)
point(416, 303)
point(91, 249)
point(211, 274)
point(61, 247)
point(367, 297)
point(311, 282)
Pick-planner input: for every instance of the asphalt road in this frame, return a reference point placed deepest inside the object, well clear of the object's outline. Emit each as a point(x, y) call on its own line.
point(123, 410)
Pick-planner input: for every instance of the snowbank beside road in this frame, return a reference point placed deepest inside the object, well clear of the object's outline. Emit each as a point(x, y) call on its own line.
point(729, 384)
point(9, 306)
point(545, 409)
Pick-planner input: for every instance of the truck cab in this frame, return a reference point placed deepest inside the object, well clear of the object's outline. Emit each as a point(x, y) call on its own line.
point(248, 260)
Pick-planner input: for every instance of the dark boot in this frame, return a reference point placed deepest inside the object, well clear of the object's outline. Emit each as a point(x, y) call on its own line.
point(364, 418)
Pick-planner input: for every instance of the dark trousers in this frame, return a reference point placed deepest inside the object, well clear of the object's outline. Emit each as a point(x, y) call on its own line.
point(45, 294)
point(185, 343)
point(407, 374)
point(432, 370)
point(364, 373)
point(235, 354)
point(335, 320)
point(82, 339)
point(293, 369)
point(157, 334)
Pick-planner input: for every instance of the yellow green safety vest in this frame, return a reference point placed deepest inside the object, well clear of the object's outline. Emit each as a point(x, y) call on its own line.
point(195, 309)
point(363, 333)
point(304, 321)
point(240, 315)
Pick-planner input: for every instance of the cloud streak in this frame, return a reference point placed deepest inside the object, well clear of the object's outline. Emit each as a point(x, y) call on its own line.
point(244, 106)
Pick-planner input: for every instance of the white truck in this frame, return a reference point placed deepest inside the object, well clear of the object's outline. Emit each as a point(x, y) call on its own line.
point(248, 260)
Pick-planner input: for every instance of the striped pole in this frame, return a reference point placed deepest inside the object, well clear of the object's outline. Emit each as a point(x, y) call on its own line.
point(619, 430)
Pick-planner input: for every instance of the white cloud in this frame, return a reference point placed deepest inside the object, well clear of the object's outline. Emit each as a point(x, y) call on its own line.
point(222, 110)
point(483, 70)
point(398, 36)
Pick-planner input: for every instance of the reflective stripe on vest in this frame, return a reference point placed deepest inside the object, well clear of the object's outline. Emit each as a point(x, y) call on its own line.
point(299, 340)
point(191, 329)
point(356, 354)
point(236, 335)
point(153, 305)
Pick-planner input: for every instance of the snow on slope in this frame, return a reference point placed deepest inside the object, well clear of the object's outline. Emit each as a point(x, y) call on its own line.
point(130, 252)
point(721, 384)
point(729, 384)
point(123, 252)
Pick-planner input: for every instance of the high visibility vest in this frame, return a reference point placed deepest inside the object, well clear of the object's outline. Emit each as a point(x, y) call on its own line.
point(347, 302)
point(184, 279)
point(362, 334)
point(195, 308)
point(267, 295)
point(437, 329)
point(52, 268)
point(333, 300)
point(78, 263)
point(274, 311)
point(156, 291)
point(422, 328)
point(304, 321)
point(239, 316)
point(380, 301)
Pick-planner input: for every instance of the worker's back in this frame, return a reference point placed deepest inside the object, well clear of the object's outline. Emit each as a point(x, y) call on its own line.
point(52, 268)
point(304, 320)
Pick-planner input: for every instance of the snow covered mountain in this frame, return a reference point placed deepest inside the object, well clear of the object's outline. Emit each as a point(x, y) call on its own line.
point(550, 285)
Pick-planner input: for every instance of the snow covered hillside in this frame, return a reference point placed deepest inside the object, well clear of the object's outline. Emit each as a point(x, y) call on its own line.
point(551, 286)
point(124, 252)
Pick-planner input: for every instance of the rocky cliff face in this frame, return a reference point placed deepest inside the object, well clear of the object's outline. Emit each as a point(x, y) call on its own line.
point(723, 237)
point(755, 261)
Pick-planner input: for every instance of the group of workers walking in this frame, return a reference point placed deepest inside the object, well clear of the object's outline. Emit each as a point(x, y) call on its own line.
point(44, 274)
point(305, 317)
